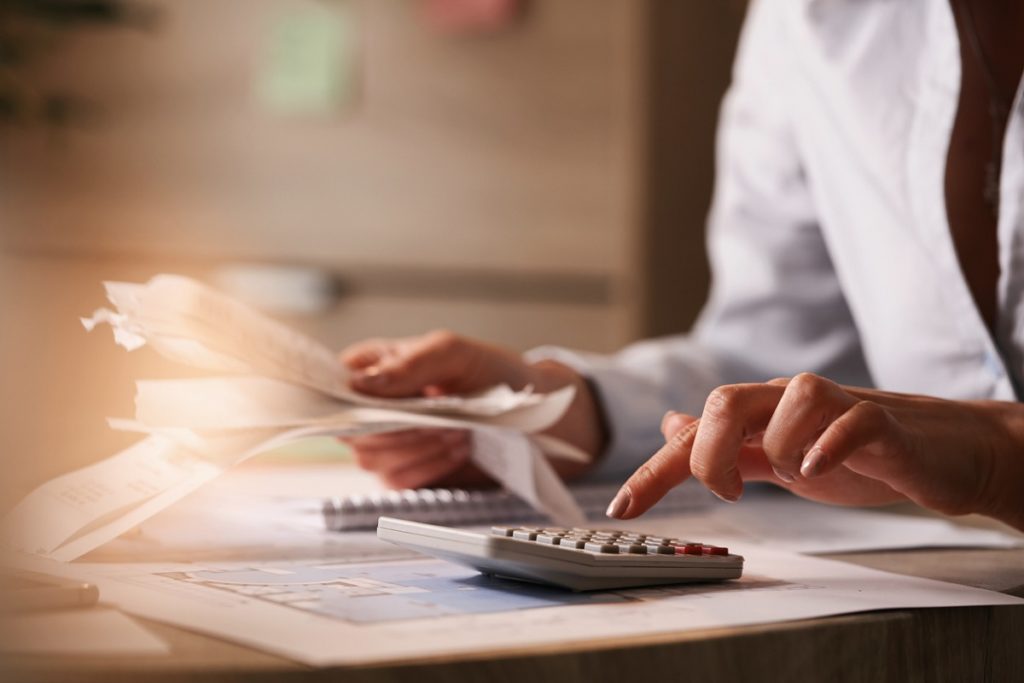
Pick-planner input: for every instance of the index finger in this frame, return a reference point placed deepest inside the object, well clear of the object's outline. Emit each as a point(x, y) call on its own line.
point(665, 470)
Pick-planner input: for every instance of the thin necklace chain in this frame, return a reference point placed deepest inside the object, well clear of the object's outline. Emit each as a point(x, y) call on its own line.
point(999, 106)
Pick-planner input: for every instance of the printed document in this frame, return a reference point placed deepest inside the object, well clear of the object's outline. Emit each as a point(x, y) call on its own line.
point(335, 612)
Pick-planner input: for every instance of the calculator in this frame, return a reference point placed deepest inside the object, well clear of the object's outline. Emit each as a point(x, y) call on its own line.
point(578, 559)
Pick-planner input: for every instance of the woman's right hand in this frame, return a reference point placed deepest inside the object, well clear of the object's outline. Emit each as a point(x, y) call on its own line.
point(441, 363)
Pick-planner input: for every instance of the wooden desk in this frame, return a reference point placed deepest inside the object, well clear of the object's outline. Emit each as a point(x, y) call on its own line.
point(960, 644)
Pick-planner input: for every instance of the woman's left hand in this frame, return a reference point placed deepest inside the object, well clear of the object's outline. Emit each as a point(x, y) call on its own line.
point(842, 445)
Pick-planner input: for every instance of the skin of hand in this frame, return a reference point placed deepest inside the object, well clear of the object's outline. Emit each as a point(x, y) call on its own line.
point(843, 445)
point(440, 363)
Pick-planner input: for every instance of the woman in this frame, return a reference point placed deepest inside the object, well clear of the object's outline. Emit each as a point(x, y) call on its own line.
point(867, 231)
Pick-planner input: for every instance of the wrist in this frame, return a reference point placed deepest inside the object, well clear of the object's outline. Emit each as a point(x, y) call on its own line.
point(1002, 495)
point(583, 424)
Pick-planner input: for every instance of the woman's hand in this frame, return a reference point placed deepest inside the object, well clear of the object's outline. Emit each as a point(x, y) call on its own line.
point(842, 445)
point(441, 363)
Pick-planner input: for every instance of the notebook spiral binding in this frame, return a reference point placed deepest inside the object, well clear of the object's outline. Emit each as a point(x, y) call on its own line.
point(461, 507)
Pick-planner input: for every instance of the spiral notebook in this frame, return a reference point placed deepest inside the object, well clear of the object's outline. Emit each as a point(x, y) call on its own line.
point(463, 508)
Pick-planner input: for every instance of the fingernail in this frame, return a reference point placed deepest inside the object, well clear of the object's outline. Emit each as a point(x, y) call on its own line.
point(814, 463)
point(665, 418)
point(618, 505)
point(372, 377)
point(784, 476)
point(727, 497)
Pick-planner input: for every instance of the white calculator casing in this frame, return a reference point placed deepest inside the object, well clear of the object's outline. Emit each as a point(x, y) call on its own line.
point(578, 570)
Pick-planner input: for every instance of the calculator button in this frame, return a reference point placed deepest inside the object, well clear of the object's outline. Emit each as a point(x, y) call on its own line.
point(603, 548)
point(502, 530)
point(632, 549)
point(603, 541)
point(715, 550)
point(655, 549)
point(577, 543)
point(525, 534)
point(549, 539)
point(690, 549)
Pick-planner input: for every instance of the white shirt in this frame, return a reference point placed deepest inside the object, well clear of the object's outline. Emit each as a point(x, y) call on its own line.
point(828, 236)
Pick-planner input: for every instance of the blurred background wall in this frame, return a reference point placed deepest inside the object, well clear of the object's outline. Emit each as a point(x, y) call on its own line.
point(538, 176)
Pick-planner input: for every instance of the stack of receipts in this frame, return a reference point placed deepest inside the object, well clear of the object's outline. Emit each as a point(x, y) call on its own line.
point(274, 385)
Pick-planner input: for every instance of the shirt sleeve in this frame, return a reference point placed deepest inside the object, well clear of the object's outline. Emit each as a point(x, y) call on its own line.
point(776, 307)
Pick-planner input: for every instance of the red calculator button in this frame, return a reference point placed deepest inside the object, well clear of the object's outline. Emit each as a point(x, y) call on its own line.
point(690, 549)
point(715, 550)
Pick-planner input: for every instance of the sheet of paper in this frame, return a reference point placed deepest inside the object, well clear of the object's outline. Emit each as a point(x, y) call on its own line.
point(174, 308)
point(80, 501)
point(260, 402)
point(230, 403)
point(336, 612)
point(80, 511)
point(508, 455)
point(513, 459)
point(96, 631)
point(770, 517)
point(68, 516)
point(193, 324)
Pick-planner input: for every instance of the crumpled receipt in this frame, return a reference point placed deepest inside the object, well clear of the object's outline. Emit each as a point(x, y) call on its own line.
point(274, 385)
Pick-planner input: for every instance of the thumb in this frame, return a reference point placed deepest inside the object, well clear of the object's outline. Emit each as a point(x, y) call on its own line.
point(366, 354)
point(674, 422)
point(433, 360)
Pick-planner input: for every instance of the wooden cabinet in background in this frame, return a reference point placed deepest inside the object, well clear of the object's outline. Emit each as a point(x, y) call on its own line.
point(545, 184)
point(570, 152)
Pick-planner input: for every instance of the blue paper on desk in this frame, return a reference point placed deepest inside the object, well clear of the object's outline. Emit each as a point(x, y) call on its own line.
point(389, 591)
